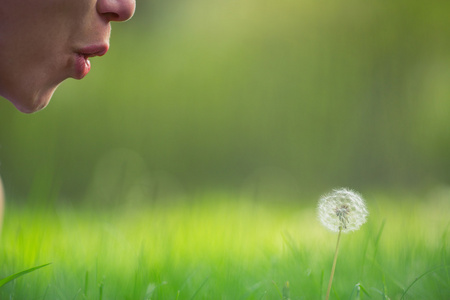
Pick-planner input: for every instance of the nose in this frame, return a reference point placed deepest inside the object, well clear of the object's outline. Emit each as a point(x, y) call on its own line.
point(116, 10)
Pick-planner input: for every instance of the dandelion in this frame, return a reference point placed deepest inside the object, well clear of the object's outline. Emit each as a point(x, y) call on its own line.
point(340, 211)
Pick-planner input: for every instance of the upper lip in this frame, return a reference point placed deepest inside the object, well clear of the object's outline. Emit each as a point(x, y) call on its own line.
point(94, 50)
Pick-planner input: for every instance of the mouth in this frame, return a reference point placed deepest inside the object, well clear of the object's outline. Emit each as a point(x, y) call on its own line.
point(82, 63)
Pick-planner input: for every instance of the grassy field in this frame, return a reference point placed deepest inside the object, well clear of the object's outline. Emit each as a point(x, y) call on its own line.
point(225, 247)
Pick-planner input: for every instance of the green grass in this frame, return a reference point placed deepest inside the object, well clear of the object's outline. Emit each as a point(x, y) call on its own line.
point(221, 247)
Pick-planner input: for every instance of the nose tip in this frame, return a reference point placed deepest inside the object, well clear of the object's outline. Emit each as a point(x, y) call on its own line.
point(116, 10)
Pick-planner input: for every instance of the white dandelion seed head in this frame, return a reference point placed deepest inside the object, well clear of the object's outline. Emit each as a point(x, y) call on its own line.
point(342, 209)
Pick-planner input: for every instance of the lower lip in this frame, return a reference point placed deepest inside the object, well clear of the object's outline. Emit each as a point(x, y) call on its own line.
point(82, 66)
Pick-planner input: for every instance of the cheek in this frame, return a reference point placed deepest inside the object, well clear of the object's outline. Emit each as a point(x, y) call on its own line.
point(37, 44)
point(46, 23)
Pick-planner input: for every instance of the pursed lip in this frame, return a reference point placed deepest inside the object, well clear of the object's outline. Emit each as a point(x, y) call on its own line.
point(94, 50)
point(82, 63)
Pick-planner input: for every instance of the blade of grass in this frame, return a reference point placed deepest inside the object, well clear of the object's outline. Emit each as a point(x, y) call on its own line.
point(421, 276)
point(100, 290)
point(14, 276)
point(364, 253)
point(45, 294)
point(86, 280)
point(201, 286)
point(355, 288)
point(359, 287)
point(286, 291)
point(384, 288)
point(321, 284)
point(444, 252)
point(76, 295)
point(278, 290)
point(364, 290)
point(391, 278)
point(377, 240)
point(263, 295)
point(336, 295)
point(290, 242)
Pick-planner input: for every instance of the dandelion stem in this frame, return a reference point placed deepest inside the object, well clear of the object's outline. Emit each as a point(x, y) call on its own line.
point(334, 264)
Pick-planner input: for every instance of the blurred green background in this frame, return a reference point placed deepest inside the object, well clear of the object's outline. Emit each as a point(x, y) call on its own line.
point(275, 100)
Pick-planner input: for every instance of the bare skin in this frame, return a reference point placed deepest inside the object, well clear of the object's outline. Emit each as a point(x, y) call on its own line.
point(44, 42)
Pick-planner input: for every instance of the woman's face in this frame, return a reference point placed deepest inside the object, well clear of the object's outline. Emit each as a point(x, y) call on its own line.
point(43, 42)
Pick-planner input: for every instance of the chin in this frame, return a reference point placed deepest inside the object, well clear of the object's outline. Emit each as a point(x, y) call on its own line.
point(32, 103)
